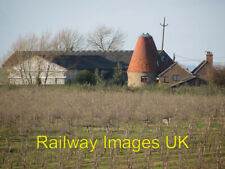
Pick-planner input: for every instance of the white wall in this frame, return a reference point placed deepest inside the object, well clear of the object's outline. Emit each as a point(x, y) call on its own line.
point(29, 71)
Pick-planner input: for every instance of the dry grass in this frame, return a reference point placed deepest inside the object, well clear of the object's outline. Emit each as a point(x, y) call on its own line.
point(28, 112)
point(3, 76)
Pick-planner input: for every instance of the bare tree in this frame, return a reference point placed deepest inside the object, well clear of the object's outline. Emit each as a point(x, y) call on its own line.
point(27, 65)
point(45, 42)
point(31, 71)
point(35, 70)
point(28, 43)
point(67, 40)
point(104, 38)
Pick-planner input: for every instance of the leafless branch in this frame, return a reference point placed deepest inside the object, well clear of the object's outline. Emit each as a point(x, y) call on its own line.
point(104, 38)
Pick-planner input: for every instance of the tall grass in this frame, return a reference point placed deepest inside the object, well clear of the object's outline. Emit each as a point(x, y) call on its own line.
point(192, 90)
point(118, 112)
point(3, 76)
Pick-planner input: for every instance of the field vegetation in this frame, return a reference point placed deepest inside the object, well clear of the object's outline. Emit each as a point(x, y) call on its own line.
point(116, 112)
point(3, 76)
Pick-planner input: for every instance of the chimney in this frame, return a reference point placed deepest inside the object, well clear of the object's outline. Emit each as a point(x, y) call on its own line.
point(209, 57)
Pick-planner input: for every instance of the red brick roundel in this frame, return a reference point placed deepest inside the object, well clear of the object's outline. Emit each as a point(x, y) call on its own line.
point(144, 55)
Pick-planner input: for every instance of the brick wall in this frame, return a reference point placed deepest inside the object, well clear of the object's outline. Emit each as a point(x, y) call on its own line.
point(175, 70)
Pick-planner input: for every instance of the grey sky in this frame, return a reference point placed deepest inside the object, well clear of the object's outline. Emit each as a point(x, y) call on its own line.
point(194, 25)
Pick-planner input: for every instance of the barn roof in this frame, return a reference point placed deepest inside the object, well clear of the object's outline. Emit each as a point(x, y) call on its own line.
point(88, 59)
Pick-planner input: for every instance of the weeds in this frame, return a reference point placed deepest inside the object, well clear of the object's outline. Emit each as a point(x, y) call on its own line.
point(94, 111)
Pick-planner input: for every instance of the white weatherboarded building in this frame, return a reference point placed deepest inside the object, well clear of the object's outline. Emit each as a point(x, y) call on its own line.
point(37, 70)
point(60, 67)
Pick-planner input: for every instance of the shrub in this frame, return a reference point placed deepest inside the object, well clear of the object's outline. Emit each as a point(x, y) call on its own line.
point(118, 76)
point(218, 76)
point(98, 78)
point(85, 77)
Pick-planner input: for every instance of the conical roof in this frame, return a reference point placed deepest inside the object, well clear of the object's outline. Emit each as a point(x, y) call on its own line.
point(144, 56)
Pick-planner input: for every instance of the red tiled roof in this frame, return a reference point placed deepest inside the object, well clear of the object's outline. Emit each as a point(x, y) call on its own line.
point(144, 56)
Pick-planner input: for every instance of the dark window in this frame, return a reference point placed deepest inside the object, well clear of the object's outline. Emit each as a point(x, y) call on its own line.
point(144, 79)
point(176, 77)
point(166, 80)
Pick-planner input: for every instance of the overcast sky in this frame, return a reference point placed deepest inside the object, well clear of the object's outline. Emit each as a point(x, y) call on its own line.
point(194, 25)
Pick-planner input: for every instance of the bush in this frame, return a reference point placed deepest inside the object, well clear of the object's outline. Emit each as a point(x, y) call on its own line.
point(118, 76)
point(98, 78)
point(85, 77)
point(218, 76)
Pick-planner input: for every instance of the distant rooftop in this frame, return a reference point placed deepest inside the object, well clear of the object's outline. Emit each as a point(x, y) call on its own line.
point(86, 59)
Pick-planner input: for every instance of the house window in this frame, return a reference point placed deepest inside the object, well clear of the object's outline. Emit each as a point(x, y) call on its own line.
point(166, 80)
point(144, 79)
point(176, 77)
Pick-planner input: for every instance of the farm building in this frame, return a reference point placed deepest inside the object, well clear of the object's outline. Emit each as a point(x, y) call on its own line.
point(142, 66)
point(204, 69)
point(175, 75)
point(146, 66)
point(36, 70)
point(146, 62)
point(72, 63)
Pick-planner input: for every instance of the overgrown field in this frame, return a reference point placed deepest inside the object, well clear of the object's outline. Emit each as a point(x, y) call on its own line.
point(28, 112)
point(3, 76)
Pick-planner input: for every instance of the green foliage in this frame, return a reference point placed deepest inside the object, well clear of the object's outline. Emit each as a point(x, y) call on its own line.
point(118, 77)
point(98, 79)
point(85, 77)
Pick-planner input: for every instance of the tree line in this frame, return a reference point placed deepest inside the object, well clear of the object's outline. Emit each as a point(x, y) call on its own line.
point(102, 38)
